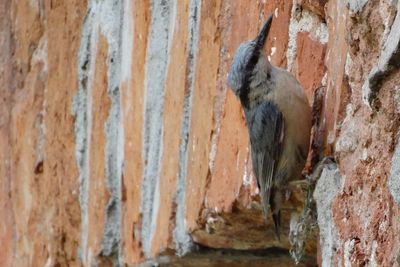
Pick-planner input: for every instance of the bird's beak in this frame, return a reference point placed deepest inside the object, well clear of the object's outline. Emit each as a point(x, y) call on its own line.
point(262, 36)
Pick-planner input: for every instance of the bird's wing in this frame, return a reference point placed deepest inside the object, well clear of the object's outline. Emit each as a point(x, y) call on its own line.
point(266, 130)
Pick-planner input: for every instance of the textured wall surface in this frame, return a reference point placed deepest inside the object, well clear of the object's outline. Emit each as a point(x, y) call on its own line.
point(120, 140)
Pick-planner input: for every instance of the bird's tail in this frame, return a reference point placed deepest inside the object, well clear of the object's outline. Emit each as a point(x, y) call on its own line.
point(277, 222)
point(275, 203)
point(265, 199)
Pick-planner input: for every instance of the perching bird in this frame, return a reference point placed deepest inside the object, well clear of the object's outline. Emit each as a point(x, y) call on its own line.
point(278, 118)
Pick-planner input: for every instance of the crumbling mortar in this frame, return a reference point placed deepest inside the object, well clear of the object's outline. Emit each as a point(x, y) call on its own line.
point(161, 27)
point(111, 24)
point(356, 6)
point(183, 242)
point(219, 103)
point(394, 178)
point(303, 21)
point(98, 18)
point(80, 110)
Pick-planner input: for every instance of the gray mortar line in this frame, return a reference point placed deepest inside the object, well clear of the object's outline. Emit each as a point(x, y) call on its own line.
point(156, 70)
point(111, 22)
point(126, 67)
point(107, 15)
point(183, 242)
point(394, 178)
point(81, 107)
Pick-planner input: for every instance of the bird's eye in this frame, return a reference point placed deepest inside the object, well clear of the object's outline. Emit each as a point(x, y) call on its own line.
point(268, 76)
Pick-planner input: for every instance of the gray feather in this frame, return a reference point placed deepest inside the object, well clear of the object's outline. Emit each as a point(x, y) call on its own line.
point(266, 128)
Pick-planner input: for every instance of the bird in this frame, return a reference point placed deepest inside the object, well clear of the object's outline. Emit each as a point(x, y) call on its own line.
point(278, 118)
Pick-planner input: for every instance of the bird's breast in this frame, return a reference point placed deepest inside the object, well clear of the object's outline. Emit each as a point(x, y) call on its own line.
point(291, 100)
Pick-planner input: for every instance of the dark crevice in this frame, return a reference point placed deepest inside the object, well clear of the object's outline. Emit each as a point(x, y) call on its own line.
point(204, 256)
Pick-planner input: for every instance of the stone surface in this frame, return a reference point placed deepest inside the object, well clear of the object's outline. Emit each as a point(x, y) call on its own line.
point(310, 67)
point(121, 143)
point(387, 62)
point(365, 213)
point(328, 186)
point(336, 91)
point(315, 6)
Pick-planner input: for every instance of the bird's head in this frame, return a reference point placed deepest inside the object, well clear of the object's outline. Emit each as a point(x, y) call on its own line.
point(245, 61)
